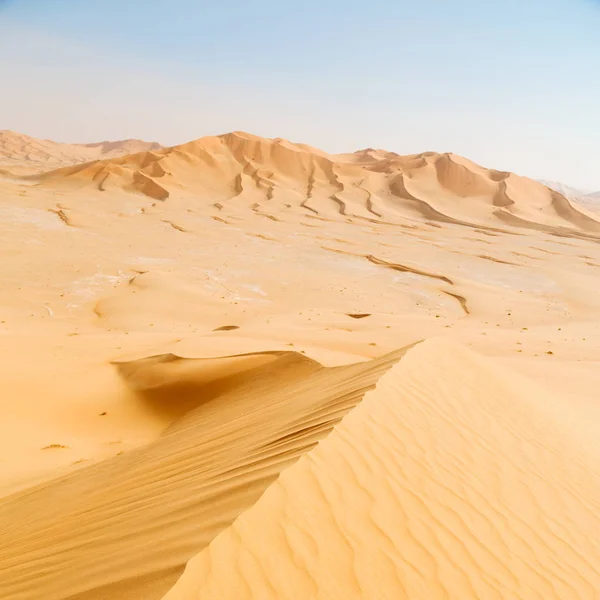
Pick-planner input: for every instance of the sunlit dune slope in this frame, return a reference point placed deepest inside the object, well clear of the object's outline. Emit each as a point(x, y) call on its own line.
point(453, 479)
point(242, 170)
point(126, 527)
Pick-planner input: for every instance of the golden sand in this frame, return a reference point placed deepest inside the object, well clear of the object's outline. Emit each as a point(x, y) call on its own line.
point(245, 368)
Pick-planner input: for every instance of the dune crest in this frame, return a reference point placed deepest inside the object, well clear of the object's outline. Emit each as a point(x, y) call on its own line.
point(452, 479)
point(236, 422)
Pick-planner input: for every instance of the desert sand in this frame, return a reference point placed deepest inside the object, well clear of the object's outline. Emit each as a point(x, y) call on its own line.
point(22, 154)
point(246, 368)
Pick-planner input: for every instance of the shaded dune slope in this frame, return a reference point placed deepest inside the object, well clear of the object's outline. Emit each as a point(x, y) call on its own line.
point(452, 479)
point(242, 170)
point(143, 514)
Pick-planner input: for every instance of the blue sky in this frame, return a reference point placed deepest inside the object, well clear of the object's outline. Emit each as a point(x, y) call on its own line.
point(512, 85)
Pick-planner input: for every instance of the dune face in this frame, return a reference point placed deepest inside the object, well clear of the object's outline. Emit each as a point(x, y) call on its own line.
point(23, 154)
point(406, 498)
point(277, 405)
point(246, 368)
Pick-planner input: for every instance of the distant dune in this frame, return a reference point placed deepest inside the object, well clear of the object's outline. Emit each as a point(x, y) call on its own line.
point(584, 198)
point(566, 190)
point(110, 149)
point(242, 169)
point(20, 153)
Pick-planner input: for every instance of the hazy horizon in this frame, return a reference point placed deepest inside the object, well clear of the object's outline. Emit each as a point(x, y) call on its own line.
point(511, 89)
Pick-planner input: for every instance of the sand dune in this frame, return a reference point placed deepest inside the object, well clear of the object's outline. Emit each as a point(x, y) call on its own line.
point(240, 169)
point(241, 421)
point(213, 355)
point(21, 154)
point(452, 479)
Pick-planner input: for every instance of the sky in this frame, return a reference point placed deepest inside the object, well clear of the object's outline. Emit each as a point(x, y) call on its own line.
point(513, 85)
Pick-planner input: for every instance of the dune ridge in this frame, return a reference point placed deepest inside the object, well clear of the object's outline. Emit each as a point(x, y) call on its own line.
point(242, 170)
point(451, 479)
point(238, 421)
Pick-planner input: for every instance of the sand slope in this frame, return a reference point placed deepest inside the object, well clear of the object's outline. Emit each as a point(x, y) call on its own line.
point(452, 479)
point(21, 153)
point(240, 169)
point(143, 514)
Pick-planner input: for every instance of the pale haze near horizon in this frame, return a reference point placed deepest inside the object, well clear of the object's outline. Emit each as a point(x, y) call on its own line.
point(512, 87)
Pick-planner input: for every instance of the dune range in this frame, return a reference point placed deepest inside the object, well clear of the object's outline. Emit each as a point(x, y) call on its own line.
point(246, 368)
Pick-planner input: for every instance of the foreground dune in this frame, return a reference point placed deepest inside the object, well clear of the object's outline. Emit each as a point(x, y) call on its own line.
point(247, 418)
point(182, 331)
point(450, 480)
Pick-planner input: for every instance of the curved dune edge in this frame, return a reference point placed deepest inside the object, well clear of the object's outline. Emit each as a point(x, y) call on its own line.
point(452, 479)
point(126, 527)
